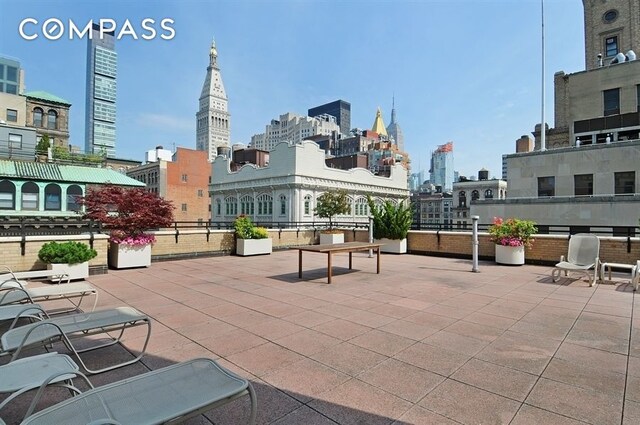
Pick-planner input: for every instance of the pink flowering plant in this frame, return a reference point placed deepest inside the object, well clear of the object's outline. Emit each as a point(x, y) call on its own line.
point(512, 232)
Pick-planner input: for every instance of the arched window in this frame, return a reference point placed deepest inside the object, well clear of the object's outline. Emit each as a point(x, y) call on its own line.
point(265, 205)
point(52, 195)
point(30, 195)
point(475, 195)
point(462, 199)
point(52, 119)
point(37, 117)
point(73, 193)
point(283, 205)
point(488, 194)
point(307, 205)
point(362, 208)
point(231, 206)
point(7, 195)
point(246, 205)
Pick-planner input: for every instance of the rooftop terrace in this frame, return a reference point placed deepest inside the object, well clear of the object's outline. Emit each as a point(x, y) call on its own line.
point(424, 342)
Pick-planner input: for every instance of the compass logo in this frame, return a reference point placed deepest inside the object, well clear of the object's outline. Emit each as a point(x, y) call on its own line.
point(55, 29)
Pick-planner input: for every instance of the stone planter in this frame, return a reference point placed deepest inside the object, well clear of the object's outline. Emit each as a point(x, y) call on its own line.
point(393, 246)
point(331, 238)
point(123, 256)
point(246, 247)
point(75, 271)
point(510, 255)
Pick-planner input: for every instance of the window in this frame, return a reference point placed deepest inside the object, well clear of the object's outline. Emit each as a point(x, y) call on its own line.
point(52, 119)
point(184, 207)
point(488, 194)
point(546, 186)
point(37, 117)
point(200, 193)
point(625, 182)
point(611, 102)
point(247, 205)
point(475, 195)
point(11, 89)
point(12, 74)
point(12, 115)
point(283, 205)
point(611, 46)
point(231, 206)
point(184, 177)
point(15, 141)
point(307, 205)
point(362, 208)
point(218, 207)
point(52, 195)
point(462, 199)
point(265, 205)
point(7, 195)
point(74, 192)
point(30, 195)
point(583, 184)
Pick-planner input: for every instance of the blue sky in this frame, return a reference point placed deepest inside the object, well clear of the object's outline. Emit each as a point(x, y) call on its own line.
point(461, 70)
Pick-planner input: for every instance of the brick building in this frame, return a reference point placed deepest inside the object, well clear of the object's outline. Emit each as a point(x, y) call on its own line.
point(184, 181)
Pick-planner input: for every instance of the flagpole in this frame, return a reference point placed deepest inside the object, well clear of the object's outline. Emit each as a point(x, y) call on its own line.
point(543, 127)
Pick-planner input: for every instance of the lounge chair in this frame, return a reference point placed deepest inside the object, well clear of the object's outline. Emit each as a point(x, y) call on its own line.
point(15, 312)
point(38, 372)
point(12, 292)
point(583, 255)
point(73, 326)
point(169, 395)
point(10, 275)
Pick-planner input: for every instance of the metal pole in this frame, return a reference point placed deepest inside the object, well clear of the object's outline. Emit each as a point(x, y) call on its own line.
point(543, 127)
point(474, 242)
point(370, 235)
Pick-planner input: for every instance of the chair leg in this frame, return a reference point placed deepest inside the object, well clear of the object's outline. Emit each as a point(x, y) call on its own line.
point(555, 275)
point(254, 404)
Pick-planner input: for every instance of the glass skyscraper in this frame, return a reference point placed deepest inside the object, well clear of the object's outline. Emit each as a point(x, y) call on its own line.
point(100, 122)
point(441, 172)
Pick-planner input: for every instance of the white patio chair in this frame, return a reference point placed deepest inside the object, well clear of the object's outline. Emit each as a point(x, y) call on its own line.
point(12, 292)
point(165, 396)
point(73, 326)
point(583, 255)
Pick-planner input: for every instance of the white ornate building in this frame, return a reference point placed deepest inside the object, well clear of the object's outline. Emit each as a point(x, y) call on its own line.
point(287, 189)
point(213, 121)
point(293, 128)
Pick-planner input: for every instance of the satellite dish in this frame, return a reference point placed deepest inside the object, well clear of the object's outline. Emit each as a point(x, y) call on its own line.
point(631, 55)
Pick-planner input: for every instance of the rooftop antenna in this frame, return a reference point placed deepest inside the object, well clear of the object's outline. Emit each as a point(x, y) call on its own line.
point(543, 127)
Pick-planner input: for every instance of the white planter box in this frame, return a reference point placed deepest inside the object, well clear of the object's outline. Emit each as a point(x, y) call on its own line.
point(510, 255)
point(331, 238)
point(393, 246)
point(126, 256)
point(75, 271)
point(246, 247)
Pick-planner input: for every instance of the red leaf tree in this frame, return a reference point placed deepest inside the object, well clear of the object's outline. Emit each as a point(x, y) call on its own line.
point(127, 213)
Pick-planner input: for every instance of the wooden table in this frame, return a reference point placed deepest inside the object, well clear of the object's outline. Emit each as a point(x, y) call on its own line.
point(329, 249)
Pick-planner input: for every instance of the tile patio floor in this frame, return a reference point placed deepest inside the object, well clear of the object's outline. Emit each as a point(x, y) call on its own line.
point(424, 342)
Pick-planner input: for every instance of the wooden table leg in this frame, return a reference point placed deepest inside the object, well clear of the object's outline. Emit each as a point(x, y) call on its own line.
point(350, 260)
point(378, 257)
point(300, 264)
point(329, 267)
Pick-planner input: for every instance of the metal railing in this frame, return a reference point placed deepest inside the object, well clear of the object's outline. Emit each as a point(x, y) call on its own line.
point(622, 231)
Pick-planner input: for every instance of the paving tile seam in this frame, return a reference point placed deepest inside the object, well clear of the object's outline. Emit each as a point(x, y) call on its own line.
point(539, 377)
point(626, 380)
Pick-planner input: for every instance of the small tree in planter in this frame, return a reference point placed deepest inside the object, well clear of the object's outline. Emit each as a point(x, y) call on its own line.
point(391, 224)
point(128, 213)
point(71, 258)
point(251, 240)
point(330, 204)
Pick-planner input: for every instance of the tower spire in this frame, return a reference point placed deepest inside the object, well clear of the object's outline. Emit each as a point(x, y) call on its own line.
point(213, 54)
point(393, 109)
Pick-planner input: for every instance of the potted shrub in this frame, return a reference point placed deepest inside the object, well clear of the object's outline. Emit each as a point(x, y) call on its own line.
point(330, 204)
point(511, 236)
point(391, 224)
point(71, 258)
point(128, 213)
point(250, 239)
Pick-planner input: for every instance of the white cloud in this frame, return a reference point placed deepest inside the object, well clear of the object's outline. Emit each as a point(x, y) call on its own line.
point(168, 122)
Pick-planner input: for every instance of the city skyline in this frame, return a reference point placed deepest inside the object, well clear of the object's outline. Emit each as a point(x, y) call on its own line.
point(408, 50)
